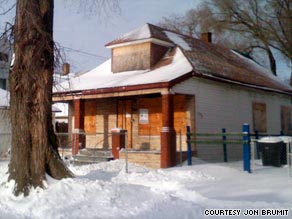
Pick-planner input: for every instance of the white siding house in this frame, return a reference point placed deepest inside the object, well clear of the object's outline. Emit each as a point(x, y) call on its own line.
point(176, 81)
point(5, 127)
point(229, 107)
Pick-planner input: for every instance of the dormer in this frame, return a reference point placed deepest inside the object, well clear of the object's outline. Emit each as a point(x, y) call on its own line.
point(139, 49)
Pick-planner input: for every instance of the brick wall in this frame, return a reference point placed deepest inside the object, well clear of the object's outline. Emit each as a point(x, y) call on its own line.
point(147, 159)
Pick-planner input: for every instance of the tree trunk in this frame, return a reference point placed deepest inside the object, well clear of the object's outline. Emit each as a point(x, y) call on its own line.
point(34, 146)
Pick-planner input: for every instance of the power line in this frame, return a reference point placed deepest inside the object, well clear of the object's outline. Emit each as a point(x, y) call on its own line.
point(83, 52)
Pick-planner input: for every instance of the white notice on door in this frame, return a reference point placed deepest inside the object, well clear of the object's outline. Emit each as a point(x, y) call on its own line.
point(143, 116)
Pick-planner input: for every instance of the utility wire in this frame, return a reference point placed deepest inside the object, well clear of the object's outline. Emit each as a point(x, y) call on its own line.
point(83, 52)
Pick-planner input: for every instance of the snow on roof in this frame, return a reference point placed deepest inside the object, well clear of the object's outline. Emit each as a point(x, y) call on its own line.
point(204, 59)
point(4, 98)
point(147, 31)
point(102, 77)
point(178, 40)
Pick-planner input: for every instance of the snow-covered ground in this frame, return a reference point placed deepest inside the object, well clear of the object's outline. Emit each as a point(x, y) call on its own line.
point(106, 191)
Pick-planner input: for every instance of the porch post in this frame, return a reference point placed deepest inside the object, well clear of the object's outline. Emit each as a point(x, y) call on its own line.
point(78, 132)
point(167, 134)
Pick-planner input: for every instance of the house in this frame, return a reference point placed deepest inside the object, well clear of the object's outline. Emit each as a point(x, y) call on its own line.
point(5, 123)
point(157, 82)
point(5, 59)
point(5, 127)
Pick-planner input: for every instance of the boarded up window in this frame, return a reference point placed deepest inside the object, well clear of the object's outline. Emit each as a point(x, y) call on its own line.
point(180, 116)
point(259, 113)
point(153, 105)
point(90, 117)
point(286, 119)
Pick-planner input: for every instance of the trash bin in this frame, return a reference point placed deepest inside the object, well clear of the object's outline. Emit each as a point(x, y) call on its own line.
point(273, 151)
point(286, 140)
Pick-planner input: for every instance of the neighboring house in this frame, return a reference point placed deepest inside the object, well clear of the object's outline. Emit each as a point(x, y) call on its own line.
point(157, 82)
point(5, 58)
point(5, 128)
point(5, 124)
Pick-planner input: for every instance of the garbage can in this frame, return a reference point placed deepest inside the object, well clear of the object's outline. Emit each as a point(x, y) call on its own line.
point(273, 151)
point(287, 140)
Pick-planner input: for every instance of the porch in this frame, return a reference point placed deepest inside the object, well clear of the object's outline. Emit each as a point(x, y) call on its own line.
point(154, 123)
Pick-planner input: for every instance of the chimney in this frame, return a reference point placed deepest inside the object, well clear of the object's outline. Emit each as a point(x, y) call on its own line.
point(66, 68)
point(206, 37)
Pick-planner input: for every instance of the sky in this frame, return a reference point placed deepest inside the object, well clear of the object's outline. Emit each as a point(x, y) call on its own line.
point(79, 29)
point(82, 31)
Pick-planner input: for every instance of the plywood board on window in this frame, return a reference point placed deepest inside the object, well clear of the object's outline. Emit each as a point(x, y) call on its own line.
point(180, 116)
point(259, 113)
point(90, 117)
point(286, 119)
point(154, 116)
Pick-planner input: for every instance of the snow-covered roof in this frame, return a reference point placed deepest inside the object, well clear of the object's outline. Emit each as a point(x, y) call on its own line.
point(185, 55)
point(102, 77)
point(4, 98)
point(147, 31)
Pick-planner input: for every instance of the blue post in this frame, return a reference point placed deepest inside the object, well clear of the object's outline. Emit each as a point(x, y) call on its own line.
point(246, 148)
point(224, 145)
point(189, 145)
point(257, 145)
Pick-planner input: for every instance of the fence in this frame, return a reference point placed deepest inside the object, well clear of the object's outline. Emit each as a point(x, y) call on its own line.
point(245, 140)
point(219, 147)
point(70, 143)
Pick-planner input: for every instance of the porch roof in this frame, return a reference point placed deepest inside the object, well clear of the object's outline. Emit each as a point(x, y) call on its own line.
point(173, 66)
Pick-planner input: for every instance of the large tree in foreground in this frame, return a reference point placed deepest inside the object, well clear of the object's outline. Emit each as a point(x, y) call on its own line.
point(34, 146)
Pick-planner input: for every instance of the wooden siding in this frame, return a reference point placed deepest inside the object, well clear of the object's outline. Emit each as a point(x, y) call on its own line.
point(220, 105)
point(136, 57)
point(259, 115)
point(129, 58)
point(90, 116)
point(154, 124)
point(286, 120)
point(125, 118)
point(105, 121)
point(155, 118)
point(180, 115)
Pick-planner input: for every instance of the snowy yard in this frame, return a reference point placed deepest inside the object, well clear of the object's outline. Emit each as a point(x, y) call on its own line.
point(106, 191)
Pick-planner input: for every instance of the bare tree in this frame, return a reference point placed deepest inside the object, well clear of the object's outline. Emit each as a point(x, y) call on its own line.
point(34, 145)
point(245, 25)
point(269, 22)
point(201, 20)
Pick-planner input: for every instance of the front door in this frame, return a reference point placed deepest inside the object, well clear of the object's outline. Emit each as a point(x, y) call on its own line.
point(125, 118)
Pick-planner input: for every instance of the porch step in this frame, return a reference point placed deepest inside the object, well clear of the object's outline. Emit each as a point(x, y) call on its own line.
point(91, 156)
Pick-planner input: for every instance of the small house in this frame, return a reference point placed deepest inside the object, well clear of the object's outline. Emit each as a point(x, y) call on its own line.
point(5, 127)
point(157, 82)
